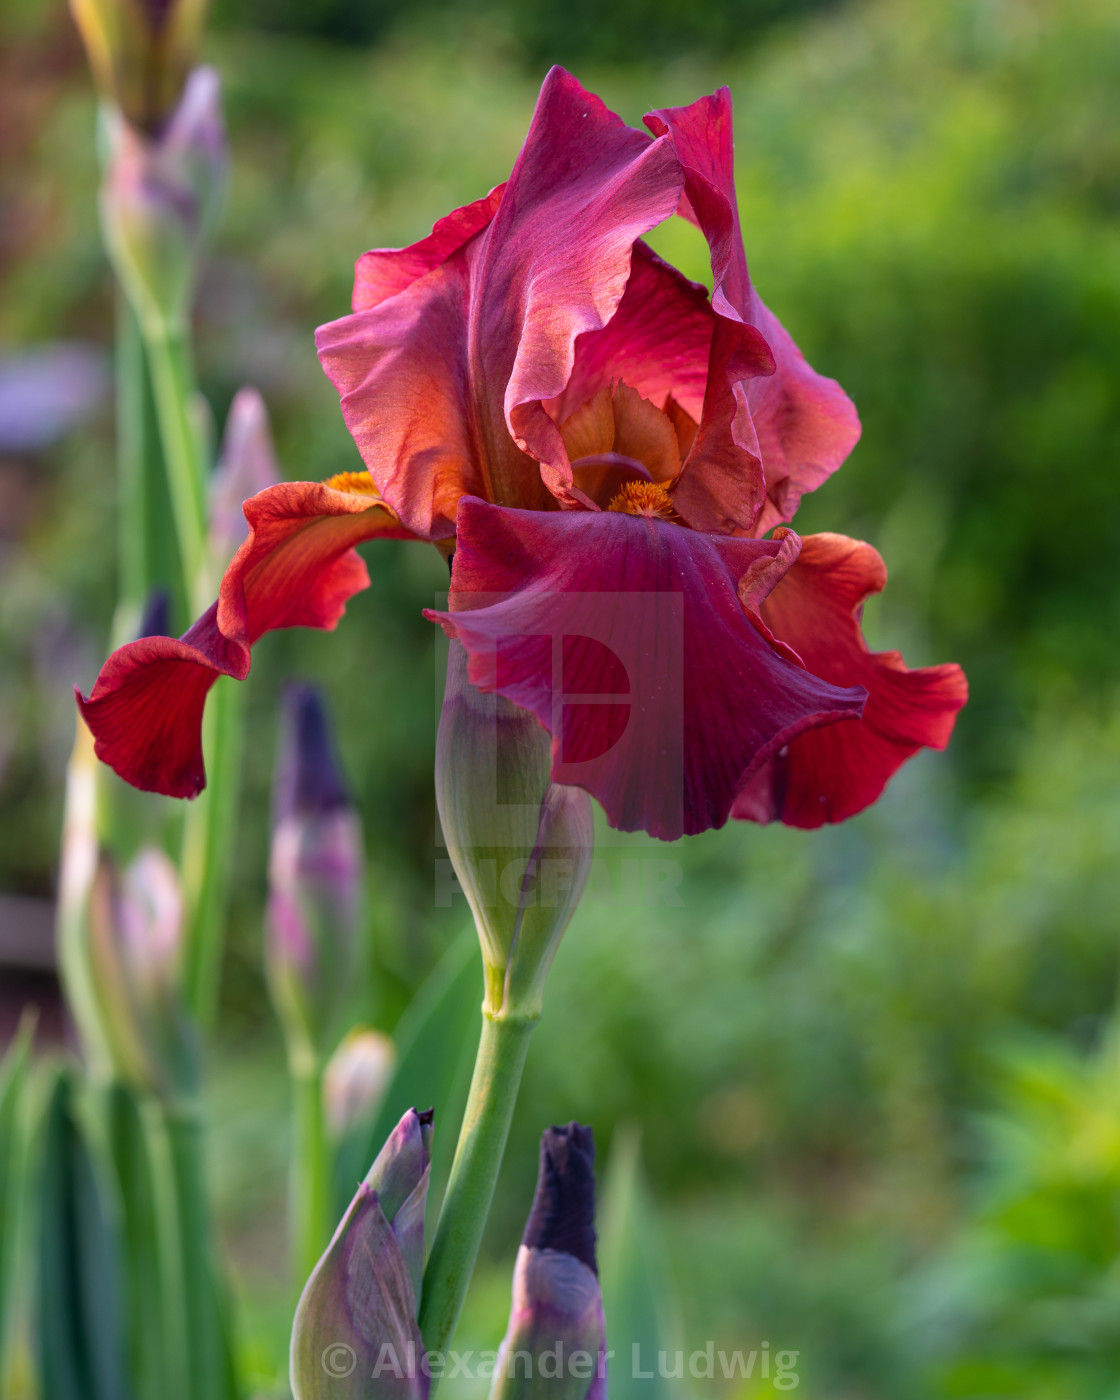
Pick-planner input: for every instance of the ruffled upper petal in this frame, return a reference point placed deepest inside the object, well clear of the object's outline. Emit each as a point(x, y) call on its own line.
point(805, 424)
point(830, 774)
point(626, 637)
point(297, 568)
point(462, 335)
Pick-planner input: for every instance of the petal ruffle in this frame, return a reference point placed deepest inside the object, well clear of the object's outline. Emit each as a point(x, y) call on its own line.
point(666, 342)
point(626, 637)
point(442, 382)
point(806, 424)
point(829, 775)
point(298, 568)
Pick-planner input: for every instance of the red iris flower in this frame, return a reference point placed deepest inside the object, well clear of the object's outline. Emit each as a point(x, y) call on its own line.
point(605, 447)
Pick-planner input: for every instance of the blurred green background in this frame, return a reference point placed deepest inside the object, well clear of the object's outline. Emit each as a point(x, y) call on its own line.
point(874, 1068)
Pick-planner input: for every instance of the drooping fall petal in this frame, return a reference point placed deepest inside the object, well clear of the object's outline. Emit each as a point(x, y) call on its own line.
point(626, 637)
point(830, 774)
point(298, 568)
point(443, 372)
point(806, 424)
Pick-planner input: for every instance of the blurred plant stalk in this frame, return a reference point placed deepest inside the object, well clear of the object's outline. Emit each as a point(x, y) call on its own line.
point(121, 949)
point(139, 939)
point(521, 847)
point(316, 874)
point(164, 157)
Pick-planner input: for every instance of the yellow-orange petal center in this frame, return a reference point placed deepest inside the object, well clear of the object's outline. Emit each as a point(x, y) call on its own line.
point(356, 483)
point(644, 498)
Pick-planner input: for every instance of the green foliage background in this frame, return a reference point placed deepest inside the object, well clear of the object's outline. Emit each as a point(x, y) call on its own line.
point(872, 1067)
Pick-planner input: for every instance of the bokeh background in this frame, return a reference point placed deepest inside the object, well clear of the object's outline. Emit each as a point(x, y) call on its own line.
point(875, 1068)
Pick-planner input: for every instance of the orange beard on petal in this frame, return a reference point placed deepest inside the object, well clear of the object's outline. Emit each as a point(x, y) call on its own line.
point(645, 498)
point(354, 483)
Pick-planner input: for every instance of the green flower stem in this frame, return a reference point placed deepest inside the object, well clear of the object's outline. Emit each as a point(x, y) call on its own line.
point(169, 360)
point(206, 1373)
point(175, 1339)
point(148, 548)
point(208, 840)
point(502, 1048)
point(311, 1174)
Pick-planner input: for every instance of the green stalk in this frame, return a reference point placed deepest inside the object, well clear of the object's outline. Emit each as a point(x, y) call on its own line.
point(184, 1136)
point(169, 360)
point(147, 544)
point(176, 1340)
point(502, 1048)
point(207, 852)
point(311, 1172)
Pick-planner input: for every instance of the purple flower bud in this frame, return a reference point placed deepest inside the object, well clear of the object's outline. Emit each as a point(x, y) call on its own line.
point(355, 1332)
point(247, 464)
point(315, 879)
point(356, 1078)
point(520, 845)
point(555, 1344)
point(156, 618)
point(140, 52)
point(159, 200)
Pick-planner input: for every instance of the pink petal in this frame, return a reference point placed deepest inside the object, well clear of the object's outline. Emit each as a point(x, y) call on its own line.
point(829, 775)
point(805, 424)
point(442, 376)
point(572, 597)
point(298, 568)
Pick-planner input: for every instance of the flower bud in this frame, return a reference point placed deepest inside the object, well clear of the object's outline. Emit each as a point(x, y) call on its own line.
point(520, 845)
point(555, 1344)
point(355, 1332)
point(135, 951)
point(247, 464)
point(141, 52)
point(159, 200)
point(355, 1081)
point(315, 879)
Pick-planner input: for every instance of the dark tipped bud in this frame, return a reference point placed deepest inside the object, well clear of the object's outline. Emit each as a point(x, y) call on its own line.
point(156, 618)
point(556, 1343)
point(356, 1319)
point(141, 52)
point(563, 1214)
point(309, 781)
point(315, 879)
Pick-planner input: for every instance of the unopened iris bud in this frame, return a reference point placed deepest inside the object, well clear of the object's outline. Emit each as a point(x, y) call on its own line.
point(247, 464)
point(521, 845)
point(160, 198)
point(555, 1345)
point(355, 1081)
point(135, 952)
point(355, 1333)
point(315, 880)
point(141, 52)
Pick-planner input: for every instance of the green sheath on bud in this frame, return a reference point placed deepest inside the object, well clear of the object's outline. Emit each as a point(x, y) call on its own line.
point(520, 845)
